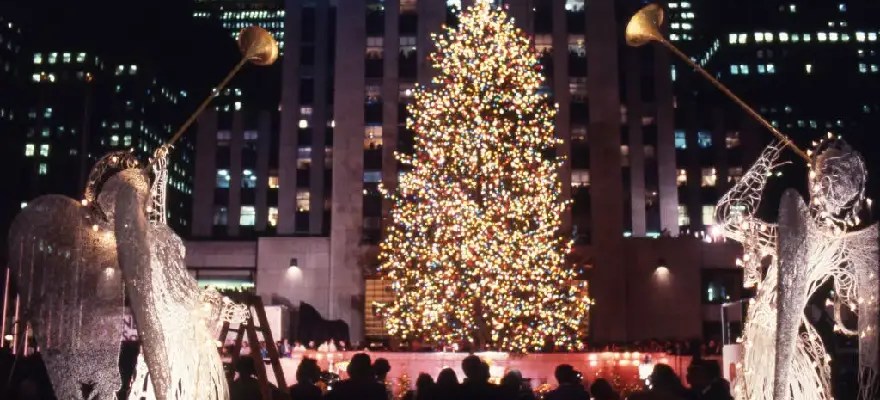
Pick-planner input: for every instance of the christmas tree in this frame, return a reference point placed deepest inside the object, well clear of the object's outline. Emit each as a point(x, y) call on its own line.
point(473, 249)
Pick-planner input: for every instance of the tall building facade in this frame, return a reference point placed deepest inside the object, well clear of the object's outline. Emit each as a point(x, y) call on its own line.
point(349, 71)
point(11, 112)
point(235, 15)
point(79, 107)
point(808, 68)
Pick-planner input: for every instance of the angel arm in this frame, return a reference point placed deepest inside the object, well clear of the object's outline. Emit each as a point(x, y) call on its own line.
point(735, 212)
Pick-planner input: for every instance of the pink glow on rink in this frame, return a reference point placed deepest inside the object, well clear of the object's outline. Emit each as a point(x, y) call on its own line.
point(537, 367)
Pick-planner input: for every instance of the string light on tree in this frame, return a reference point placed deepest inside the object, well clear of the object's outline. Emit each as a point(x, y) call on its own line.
point(473, 249)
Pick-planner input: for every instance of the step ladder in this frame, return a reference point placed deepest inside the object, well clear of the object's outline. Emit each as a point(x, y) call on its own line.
point(256, 308)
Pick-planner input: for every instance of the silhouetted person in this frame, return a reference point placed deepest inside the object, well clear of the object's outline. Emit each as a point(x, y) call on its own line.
point(570, 386)
point(447, 386)
point(706, 382)
point(381, 367)
point(602, 390)
point(246, 386)
point(476, 385)
point(664, 385)
point(424, 389)
point(307, 374)
point(361, 383)
point(514, 388)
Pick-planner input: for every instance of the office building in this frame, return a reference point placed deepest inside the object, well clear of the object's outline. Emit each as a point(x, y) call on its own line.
point(778, 56)
point(235, 15)
point(308, 227)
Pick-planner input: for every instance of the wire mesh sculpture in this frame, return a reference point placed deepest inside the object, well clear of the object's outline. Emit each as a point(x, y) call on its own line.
point(784, 355)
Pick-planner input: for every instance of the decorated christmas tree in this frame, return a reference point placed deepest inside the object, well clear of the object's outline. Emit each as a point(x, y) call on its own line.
point(474, 250)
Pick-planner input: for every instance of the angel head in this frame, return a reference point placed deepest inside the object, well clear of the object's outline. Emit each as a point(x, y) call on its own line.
point(837, 182)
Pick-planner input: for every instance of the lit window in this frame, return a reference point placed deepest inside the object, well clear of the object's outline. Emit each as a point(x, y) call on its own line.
point(305, 110)
point(683, 218)
point(43, 169)
point(731, 139)
point(23, 204)
point(237, 105)
point(224, 136)
point(860, 36)
point(680, 140)
point(863, 68)
point(273, 216)
point(44, 132)
point(833, 36)
point(220, 216)
point(704, 139)
point(53, 57)
point(731, 38)
point(248, 216)
point(743, 38)
point(872, 36)
point(544, 43)
point(372, 137)
point(734, 69)
point(81, 57)
point(822, 36)
point(624, 155)
point(841, 7)
point(114, 140)
point(223, 178)
point(38, 58)
point(744, 69)
point(303, 124)
point(251, 135)
point(734, 174)
point(303, 200)
point(577, 5)
point(66, 58)
point(372, 176)
point(783, 36)
point(375, 46)
point(759, 36)
point(248, 179)
point(808, 37)
point(681, 178)
point(709, 177)
point(126, 140)
point(35, 77)
point(273, 182)
point(808, 68)
point(792, 8)
point(44, 150)
point(708, 215)
point(771, 69)
point(580, 178)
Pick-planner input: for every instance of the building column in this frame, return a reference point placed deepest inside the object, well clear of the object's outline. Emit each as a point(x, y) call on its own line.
point(666, 168)
point(287, 134)
point(432, 16)
point(562, 97)
point(319, 120)
point(634, 113)
point(605, 172)
point(205, 180)
point(346, 278)
point(390, 102)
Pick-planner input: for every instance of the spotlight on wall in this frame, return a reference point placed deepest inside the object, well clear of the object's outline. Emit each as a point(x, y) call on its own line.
point(293, 270)
point(662, 271)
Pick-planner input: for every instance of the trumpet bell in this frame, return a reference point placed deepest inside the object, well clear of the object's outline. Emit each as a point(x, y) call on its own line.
point(257, 45)
point(644, 26)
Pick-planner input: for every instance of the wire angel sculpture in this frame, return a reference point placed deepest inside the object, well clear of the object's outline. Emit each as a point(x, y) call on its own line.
point(784, 356)
point(72, 263)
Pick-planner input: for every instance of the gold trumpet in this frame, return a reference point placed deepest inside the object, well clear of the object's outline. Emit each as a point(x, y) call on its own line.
point(644, 27)
point(257, 46)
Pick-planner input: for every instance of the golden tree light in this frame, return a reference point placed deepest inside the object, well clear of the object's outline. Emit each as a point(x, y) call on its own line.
point(473, 249)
